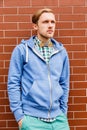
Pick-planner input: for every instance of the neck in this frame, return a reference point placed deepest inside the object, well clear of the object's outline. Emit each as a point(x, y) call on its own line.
point(43, 39)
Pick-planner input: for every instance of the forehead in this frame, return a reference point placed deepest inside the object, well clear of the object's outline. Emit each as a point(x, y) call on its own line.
point(47, 16)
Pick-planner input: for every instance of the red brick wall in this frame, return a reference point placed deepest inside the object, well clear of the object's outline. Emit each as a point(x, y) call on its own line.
point(15, 24)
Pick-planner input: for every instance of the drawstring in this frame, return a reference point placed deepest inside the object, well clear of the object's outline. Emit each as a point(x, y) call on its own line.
point(26, 52)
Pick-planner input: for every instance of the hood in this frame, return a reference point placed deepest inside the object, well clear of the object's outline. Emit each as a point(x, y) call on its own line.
point(30, 44)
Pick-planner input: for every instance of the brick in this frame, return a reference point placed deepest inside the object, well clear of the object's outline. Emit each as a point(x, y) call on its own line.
point(27, 10)
point(6, 64)
point(79, 40)
point(8, 41)
point(12, 124)
point(1, 64)
point(80, 114)
point(62, 10)
point(3, 71)
point(45, 3)
point(8, 109)
point(2, 94)
point(80, 70)
point(1, 3)
point(77, 62)
point(78, 77)
point(80, 55)
point(72, 3)
point(3, 86)
point(86, 33)
point(78, 122)
point(71, 128)
point(64, 40)
point(6, 79)
point(1, 18)
point(16, 18)
point(69, 55)
point(64, 25)
point(2, 124)
point(6, 116)
point(8, 48)
point(80, 84)
point(78, 92)
point(8, 26)
point(3, 102)
point(75, 47)
point(25, 26)
point(17, 33)
point(71, 32)
point(77, 107)
point(80, 25)
point(8, 11)
point(72, 17)
point(80, 10)
point(71, 84)
point(16, 3)
point(9, 128)
point(70, 115)
point(4, 57)
point(86, 18)
point(70, 100)
point(80, 100)
point(2, 109)
point(81, 128)
point(1, 33)
point(56, 33)
point(1, 49)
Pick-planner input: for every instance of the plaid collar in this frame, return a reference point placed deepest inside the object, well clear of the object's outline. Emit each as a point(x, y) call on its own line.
point(41, 44)
point(46, 51)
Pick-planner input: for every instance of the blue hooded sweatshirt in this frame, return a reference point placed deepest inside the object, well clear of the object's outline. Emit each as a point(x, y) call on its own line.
point(36, 88)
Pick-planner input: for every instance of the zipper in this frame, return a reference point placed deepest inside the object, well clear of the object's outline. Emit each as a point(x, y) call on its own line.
point(50, 84)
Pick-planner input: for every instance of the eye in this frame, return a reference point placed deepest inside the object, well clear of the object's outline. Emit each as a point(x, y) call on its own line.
point(46, 21)
point(53, 22)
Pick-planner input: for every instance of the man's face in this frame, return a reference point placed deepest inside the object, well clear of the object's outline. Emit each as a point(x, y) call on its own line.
point(46, 26)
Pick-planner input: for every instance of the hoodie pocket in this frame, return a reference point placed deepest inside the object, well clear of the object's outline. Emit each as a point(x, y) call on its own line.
point(38, 94)
point(57, 91)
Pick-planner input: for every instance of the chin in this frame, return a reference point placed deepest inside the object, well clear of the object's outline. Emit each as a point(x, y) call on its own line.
point(50, 36)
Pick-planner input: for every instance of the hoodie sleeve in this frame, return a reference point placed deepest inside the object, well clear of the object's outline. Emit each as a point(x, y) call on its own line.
point(14, 82)
point(64, 82)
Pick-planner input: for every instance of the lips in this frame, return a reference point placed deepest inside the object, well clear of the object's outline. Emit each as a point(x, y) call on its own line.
point(50, 31)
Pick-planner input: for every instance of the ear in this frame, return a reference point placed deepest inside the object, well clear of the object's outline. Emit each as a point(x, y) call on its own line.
point(35, 26)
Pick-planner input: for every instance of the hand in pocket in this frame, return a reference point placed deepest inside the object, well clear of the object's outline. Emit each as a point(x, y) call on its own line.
point(20, 122)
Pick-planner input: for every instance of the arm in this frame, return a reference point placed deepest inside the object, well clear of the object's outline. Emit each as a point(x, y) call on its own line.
point(64, 82)
point(14, 83)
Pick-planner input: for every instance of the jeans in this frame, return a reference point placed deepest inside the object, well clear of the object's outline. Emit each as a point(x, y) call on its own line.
point(33, 123)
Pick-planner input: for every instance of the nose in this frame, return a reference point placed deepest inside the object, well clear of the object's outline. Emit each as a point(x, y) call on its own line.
point(50, 24)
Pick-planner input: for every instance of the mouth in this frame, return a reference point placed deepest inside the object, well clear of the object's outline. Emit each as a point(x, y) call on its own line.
point(50, 31)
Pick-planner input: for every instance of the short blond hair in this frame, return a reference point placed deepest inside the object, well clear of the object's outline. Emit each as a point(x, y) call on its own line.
point(37, 15)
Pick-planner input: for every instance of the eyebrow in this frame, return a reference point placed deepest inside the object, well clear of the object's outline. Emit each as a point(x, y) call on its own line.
point(49, 20)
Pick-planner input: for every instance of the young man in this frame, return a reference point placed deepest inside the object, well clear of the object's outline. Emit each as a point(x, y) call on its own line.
point(38, 79)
